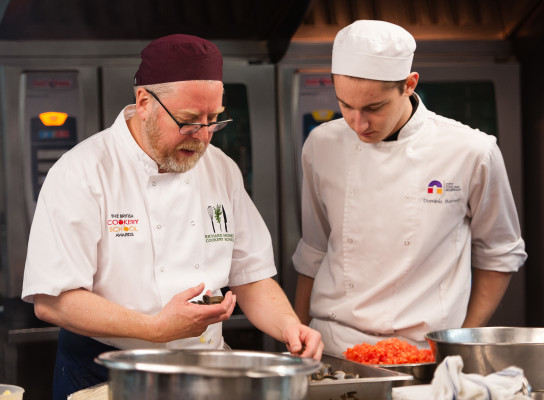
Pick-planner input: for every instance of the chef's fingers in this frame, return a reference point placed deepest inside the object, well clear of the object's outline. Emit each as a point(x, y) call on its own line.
point(222, 311)
point(192, 292)
point(295, 351)
point(228, 304)
point(294, 345)
point(311, 344)
point(313, 347)
point(232, 304)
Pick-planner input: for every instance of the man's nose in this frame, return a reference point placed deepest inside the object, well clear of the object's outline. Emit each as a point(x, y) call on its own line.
point(201, 134)
point(360, 122)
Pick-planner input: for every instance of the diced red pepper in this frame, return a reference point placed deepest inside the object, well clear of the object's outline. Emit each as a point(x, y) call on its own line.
point(389, 351)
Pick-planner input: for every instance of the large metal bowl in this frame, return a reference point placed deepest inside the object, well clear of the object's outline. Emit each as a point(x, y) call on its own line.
point(491, 349)
point(206, 374)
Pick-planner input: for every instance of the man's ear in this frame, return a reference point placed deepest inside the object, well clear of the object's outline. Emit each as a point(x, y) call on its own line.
point(143, 103)
point(411, 83)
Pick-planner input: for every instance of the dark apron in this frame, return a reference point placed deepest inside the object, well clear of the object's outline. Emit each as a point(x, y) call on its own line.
point(75, 368)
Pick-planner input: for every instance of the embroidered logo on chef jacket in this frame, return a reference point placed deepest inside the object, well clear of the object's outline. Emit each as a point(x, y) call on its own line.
point(218, 224)
point(442, 189)
point(435, 187)
point(123, 225)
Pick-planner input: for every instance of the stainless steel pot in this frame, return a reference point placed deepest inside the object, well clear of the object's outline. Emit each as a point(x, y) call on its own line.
point(491, 349)
point(163, 374)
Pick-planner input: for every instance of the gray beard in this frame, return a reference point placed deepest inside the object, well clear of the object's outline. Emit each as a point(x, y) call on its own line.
point(166, 159)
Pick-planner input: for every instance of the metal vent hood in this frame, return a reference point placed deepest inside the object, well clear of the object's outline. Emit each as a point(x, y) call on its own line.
point(263, 28)
point(487, 30)
point(426, 19)
point(255, 29)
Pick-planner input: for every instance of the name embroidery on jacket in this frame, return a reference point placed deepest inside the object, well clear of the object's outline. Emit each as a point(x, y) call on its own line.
point(435, 190)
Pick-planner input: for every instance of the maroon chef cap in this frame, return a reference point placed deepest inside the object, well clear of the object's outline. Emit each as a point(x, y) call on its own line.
point(179, 58)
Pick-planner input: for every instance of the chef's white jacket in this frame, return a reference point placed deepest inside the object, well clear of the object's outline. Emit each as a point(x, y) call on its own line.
point(108, 222)
point(391, 229)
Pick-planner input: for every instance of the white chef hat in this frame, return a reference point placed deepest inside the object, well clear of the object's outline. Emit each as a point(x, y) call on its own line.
point(375, 50)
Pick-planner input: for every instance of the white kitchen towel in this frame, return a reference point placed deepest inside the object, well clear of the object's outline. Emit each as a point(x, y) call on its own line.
point(450, 383)
point(412, 392)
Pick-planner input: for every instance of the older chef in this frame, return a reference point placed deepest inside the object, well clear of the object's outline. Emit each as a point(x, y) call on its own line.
point(397, 204)
point(121, 241)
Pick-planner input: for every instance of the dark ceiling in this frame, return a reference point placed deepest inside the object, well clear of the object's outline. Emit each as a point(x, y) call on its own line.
point(275, 22)
point(271, 21)
point(427, 19)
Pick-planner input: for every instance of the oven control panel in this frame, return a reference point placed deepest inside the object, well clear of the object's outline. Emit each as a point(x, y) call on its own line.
point(52, 109)
point(47, 144)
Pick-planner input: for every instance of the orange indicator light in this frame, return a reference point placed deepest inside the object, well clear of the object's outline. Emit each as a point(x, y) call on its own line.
point(53, 118)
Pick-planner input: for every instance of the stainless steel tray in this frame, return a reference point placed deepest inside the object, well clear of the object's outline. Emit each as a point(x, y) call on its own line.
point(374, 383)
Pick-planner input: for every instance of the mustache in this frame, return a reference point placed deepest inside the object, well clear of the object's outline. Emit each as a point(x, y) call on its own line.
point(193, 145)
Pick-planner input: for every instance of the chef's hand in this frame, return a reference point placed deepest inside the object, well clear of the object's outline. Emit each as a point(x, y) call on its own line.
point(303, 341)
point(180, 318)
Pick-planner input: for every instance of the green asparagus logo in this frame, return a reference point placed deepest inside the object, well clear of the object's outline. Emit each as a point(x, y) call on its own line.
point(219, 223)
point(218, 215)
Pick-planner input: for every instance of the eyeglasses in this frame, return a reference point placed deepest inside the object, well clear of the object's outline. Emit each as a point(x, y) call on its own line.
point(192, 127)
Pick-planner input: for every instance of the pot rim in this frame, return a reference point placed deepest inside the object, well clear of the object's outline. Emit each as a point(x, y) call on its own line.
point(301, 366)
point(430, 336)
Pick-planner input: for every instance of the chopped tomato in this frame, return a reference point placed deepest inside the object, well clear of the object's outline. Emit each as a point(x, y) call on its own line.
point(389, 351)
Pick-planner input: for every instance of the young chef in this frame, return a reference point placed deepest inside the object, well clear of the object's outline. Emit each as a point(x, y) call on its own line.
point(397, 204)
point(122, 242)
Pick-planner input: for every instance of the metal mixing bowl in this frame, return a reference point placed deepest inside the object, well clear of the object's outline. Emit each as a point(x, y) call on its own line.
point(491, 349)
point(206, 374)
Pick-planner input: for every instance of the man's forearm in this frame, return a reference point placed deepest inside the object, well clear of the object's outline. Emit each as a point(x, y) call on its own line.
point(88, 314)
point(302, 298)
point(265, 304)
point(487, 291)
